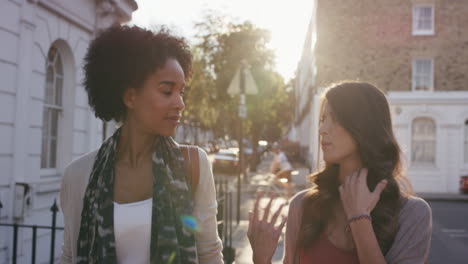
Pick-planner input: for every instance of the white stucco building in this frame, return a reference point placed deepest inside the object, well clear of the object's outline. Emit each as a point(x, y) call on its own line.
point(45, 120)
point(432, 130)
point(307, 100)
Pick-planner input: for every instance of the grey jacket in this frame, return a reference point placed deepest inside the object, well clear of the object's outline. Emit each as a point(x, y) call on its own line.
point(411, 244)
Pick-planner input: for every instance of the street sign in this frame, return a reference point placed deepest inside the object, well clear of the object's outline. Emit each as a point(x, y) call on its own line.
point(250, 84)
point(242, 111)
point(234, 86)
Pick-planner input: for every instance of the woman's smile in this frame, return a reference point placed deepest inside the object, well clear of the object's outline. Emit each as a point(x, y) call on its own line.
point(174, 119)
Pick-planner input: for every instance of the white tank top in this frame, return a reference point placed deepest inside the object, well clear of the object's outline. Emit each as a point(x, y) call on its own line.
point(132, 230)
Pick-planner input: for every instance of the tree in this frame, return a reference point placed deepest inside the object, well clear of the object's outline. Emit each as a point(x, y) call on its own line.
point(220, 48)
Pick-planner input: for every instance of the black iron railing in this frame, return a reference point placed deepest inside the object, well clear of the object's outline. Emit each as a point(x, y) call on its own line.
point(224, 198)
point(34, 229)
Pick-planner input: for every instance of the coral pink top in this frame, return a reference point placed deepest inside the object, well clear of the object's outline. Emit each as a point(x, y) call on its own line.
point(324, 252)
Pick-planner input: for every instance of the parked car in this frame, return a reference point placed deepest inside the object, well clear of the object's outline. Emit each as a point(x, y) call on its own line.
point(226, 161)
point(464, 184)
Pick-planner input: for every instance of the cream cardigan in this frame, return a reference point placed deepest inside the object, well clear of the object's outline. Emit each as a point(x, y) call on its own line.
point(73, 188)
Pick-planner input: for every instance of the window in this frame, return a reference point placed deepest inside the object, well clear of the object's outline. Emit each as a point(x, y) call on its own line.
point(466, 141)
point(423, 19)
point(423, 141)
point(52, 109)
point(423, 78)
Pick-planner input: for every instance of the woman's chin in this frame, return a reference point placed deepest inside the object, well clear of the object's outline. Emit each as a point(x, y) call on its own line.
point(329, 160)
point(165, 132)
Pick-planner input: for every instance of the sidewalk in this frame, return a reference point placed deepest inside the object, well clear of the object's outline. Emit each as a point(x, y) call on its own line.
point(258, 181)
point(443, 196)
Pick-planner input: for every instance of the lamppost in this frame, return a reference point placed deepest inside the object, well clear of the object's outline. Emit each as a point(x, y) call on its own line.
point(241, 84)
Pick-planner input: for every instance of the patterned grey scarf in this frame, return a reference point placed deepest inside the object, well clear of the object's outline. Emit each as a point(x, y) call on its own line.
point(171, 240)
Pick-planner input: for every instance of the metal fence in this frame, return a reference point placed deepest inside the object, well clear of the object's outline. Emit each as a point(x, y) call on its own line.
point(224, 219)
point(34, 229)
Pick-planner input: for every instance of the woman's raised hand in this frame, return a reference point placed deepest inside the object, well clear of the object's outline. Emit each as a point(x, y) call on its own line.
point(262, 233)
point(356, 197)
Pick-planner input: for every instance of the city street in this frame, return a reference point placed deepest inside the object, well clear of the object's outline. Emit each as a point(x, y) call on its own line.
point(450, 232)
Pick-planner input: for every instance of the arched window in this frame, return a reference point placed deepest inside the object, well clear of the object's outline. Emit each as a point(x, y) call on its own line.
point(423, 141)
point(52, 109)
point(466, 141)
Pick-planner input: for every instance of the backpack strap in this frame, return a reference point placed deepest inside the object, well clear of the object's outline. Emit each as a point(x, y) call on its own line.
point(191, 164)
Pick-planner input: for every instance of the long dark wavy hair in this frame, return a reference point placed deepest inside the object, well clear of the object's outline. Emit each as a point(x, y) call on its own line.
point(363, 111)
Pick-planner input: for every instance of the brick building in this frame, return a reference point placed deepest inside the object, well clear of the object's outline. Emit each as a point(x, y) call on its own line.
point(414, 50)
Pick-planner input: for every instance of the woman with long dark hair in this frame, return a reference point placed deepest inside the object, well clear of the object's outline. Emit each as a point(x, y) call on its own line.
point(133, 200)
point(360, 208)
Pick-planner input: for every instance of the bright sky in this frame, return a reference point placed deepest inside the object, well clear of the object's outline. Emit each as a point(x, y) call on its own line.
point(286, 20)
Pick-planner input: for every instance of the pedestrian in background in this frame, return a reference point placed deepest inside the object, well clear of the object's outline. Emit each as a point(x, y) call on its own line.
point(360, 209)
point(132, 200)
point(282, 168)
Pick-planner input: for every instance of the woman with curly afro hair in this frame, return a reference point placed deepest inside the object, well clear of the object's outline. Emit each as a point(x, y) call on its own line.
point(135, 200)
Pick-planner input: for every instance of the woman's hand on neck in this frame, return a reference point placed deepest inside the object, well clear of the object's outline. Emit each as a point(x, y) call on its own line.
point(135, 145)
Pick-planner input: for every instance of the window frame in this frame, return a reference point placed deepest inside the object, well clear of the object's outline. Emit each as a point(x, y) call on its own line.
point(417, 163)
point(414, 72)
point(423, 32)
point(53, 104)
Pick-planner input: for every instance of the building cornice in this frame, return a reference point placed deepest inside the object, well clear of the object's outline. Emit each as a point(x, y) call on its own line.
point(126, 7)
point(110, 12)
point(66, 14)
point(449, 98)
point(121, 10)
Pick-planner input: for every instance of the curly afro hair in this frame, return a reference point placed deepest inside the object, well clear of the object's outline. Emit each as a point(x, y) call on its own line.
point(122, 57)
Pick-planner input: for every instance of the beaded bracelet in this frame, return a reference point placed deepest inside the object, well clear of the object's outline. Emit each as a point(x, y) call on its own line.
point(356, 218)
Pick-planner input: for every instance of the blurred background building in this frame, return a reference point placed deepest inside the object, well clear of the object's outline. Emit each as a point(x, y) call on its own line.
point(45, 120)
point(417, 52)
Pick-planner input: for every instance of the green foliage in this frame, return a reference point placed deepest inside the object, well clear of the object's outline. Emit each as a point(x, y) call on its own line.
point(221, 46)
